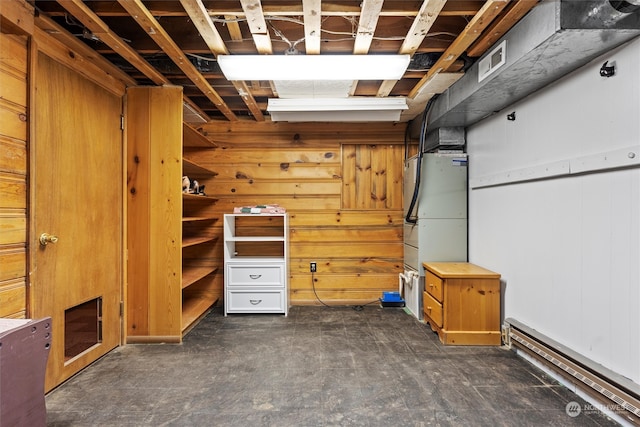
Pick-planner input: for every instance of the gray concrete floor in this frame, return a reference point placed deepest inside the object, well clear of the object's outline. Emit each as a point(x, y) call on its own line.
point(317, 367)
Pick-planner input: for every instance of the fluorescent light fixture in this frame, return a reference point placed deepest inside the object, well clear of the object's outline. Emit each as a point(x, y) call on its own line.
point(312, 88)
point(336, 110)
point(313, 67)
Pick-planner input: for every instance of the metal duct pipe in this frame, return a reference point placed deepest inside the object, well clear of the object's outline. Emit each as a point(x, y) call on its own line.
point(553, 39)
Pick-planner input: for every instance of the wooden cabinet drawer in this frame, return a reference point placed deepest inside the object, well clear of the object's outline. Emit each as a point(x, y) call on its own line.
point(433, 285)
point(432, 308)
point(255, 275)
point(255, 301)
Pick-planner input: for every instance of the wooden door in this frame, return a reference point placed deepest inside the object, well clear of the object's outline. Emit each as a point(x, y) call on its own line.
point(77, 184)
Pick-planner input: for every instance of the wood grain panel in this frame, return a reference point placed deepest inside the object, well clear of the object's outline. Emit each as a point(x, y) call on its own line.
point(14, 120)
point(337, 282)
point(342, 187)
point(292, 204)
point(371, 177)
point(13, 263)
point(13, 169)
point(352, 266)
point(345, 218)
point(13, 191)
point(293, 135)
point(283, 170)
point(13, 229)
point(14, 53)
point(13, 298)
point(295, 155)
point(13, 156)
point(12, 86)
point(269, 189)
point(347, 250)
point(324, 235)
point(154, 161)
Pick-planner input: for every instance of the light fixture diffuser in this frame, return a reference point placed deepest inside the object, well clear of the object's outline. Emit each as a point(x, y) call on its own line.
point(353, 109)
point(313, 67)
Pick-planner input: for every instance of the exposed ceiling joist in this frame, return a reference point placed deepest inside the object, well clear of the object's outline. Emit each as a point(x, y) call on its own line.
point(367, 25)
point(516, 10)
point(427, 15)
point(178, 42)
point(312, 22)
point(152, 27)
point(202, 21)
point(207, 29)
point(258, 25)
point(471, 33)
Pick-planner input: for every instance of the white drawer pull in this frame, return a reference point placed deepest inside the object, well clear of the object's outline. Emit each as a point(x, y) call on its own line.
point(255, 276)
point(255, 301)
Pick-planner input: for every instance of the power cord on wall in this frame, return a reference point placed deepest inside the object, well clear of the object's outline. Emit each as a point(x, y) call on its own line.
point(357, 307)
point(313, 285)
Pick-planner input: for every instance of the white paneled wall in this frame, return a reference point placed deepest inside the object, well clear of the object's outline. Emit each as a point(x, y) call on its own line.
point(567, 244)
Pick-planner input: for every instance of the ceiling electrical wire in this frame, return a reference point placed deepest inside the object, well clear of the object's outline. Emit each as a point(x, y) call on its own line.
point(351, 34)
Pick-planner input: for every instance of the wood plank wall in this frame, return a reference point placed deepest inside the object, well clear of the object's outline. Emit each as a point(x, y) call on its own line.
point(342, 187)
point(13, 174)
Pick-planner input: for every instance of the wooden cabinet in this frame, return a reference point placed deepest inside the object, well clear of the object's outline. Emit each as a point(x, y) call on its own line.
point(461, 302)
point(256, 263)
point(169, 284)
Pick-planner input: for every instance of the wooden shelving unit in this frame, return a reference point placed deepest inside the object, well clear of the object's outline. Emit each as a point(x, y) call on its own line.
point(197, 198)
point(171, 275)
point(197, 240)
point(197, 293)
point(191, 168)
point(191, 275)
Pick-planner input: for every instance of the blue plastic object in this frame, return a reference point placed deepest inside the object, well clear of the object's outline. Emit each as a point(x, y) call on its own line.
point(391, 297)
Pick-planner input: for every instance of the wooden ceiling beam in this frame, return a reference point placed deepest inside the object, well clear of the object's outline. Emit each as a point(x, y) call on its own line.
point(100, 29)
point(207, 29)
point(471, 33)
point(367, 25)
point(427, 15)
point(257, 25)
point(312, 26)
point(80, 11)
point(293, 8)
point(233, 27)
point(513, 14)
point(152, 27)
point(65, 48)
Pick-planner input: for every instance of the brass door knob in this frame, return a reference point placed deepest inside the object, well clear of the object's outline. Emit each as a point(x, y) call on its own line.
point(46, 238)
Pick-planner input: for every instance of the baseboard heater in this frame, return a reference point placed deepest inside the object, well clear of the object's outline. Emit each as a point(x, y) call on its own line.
point(602, 384)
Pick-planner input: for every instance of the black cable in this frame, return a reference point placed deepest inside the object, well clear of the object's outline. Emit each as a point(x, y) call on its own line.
point(313, 286)
point(421, 142)
point(357, 307)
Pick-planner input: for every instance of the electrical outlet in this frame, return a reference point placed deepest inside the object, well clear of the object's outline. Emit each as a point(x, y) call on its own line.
point(313, 267)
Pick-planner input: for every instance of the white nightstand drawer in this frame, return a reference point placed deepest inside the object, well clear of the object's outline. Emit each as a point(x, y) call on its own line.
point(252, 275)
point(252, 301)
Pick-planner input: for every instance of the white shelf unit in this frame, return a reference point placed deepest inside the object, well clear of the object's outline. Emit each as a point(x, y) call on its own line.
point(256, 260)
